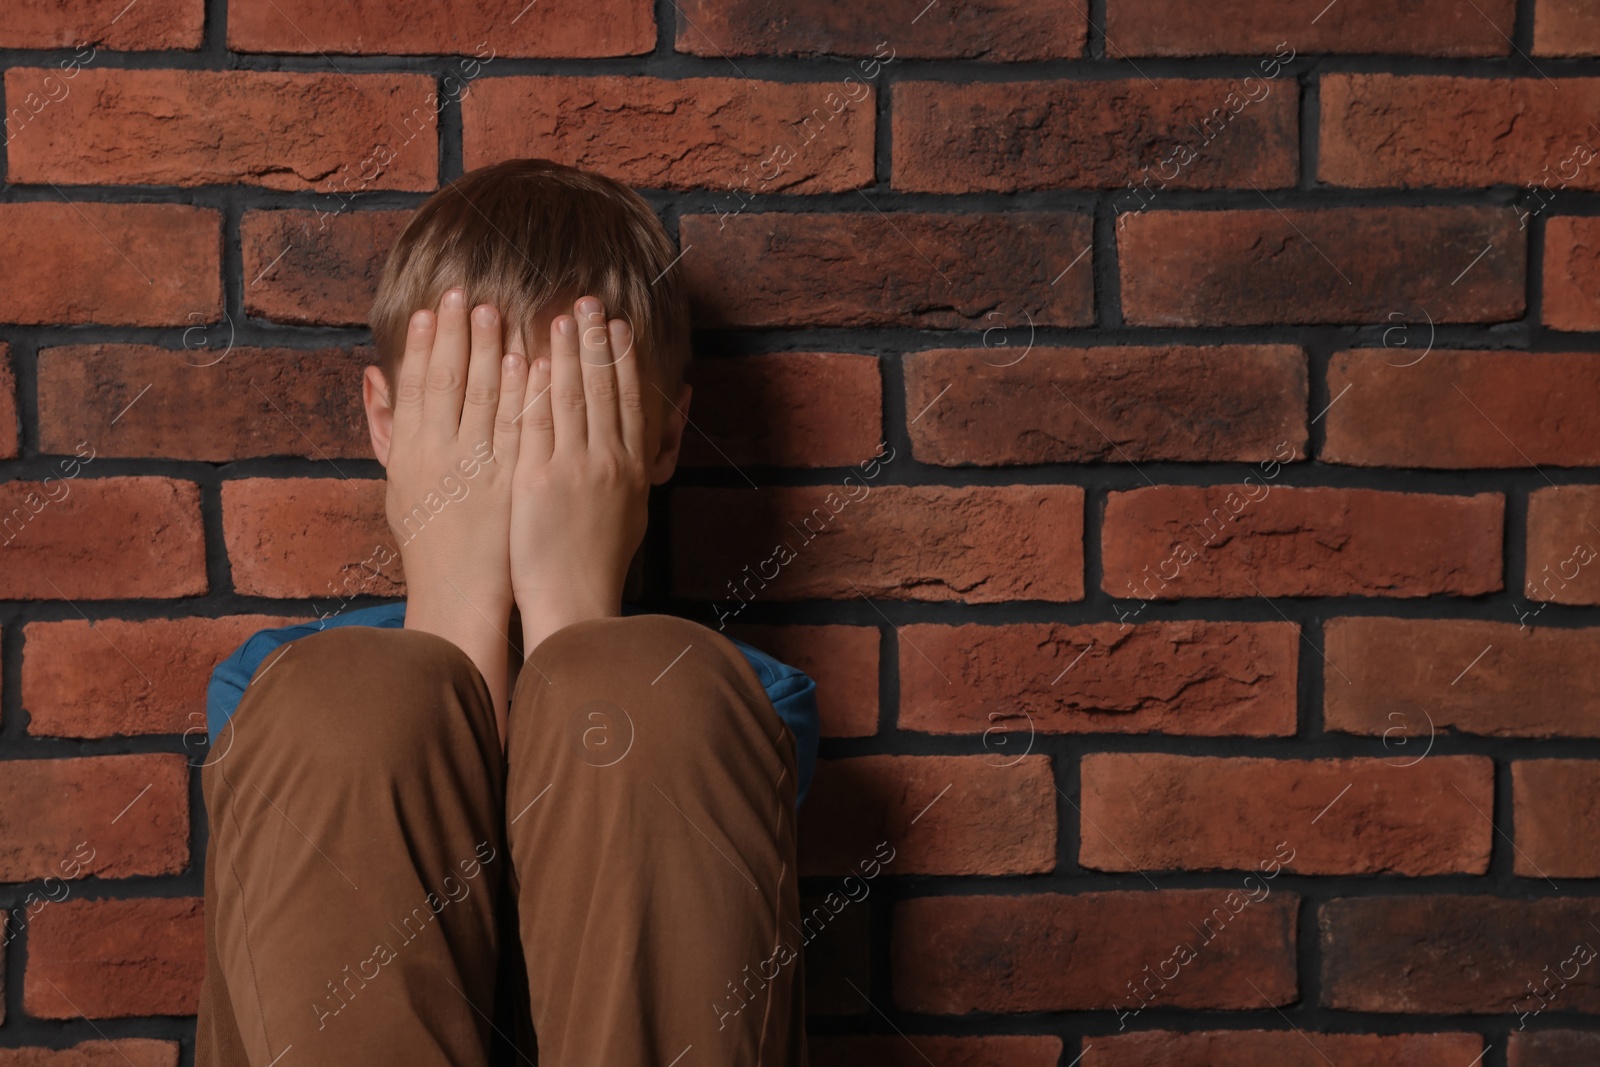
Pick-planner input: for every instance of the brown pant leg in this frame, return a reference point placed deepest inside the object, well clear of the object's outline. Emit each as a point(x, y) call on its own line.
point(650, 806)
point(356, 806)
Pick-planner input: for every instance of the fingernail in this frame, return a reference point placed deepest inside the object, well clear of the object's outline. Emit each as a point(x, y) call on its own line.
point(542, 363)
point(509, 363)
point(483, 315)
point(566, 325)
point(588, 305)
point(454, 298)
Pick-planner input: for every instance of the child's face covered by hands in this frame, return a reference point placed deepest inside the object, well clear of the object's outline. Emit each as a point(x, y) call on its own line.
point(519, 462)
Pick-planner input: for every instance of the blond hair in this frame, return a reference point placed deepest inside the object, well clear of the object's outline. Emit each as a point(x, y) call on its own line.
point(523, 233)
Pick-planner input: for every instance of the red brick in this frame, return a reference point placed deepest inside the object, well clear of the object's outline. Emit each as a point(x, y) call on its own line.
point(838, 961)
point(1453, 954)
point(931, 271)
point(1395, 677)
point(213, 127)
point(118, 677)
point(921, 1049)
point(842, 660)
point(1051, 952)
point(485, 29)
point(124, 1052)
point(106, 959)
point(1327, 265)
point(787, 409)
point(1556, 803)
point(315, 268)
point(688, 133)
point(146, 26)
point(939, 814)
point(1461, 410)
point(1572, 273)
point(82, 538)
point(1167, 542)
point(9, 427)
point(309, 537)
point(978, 544)
point(997, 405)
point(1565, 28)
point(1280, 1048)
point(132, 812)
point(1387, 130)
point(1563, 545)
point(1187, 677)
point(192, 404)
point(1000, 30)
point(118, 264)
point(1006, 136)
point(1553, 1048)
point(1278, 27)
point(1151, 811)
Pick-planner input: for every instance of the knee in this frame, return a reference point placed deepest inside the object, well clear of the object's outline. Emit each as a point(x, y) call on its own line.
point(657, 657)
point(387, 697)
point(663, 688)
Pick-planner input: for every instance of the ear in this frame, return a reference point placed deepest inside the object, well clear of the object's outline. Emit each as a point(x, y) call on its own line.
point(674, 417)
point(380, 416)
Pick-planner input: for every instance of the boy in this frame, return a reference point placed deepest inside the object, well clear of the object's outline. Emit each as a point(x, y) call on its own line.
point(398, 800)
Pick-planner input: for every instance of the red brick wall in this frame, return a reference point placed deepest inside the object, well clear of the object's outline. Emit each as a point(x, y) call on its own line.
point(1216, 646)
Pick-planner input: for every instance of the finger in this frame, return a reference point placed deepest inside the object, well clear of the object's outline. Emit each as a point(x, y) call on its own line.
point(409, 387)
point(599, 380)
point(566, 385)
point(447, 368)
point(630, 391)
point(483, 376)
point(508, 413)
point(538, 428)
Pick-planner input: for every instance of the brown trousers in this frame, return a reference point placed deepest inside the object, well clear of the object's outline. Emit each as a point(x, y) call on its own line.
point(380, 876)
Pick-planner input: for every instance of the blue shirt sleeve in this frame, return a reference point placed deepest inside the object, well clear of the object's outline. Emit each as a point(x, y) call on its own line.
point(232, 675)
point(792, 692)
point(794, 698)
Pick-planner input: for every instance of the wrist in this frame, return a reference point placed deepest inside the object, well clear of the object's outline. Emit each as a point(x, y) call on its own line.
point(478, 628)
point(460, 611)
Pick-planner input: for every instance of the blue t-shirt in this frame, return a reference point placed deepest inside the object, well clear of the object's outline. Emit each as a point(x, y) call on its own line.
point(793, 693)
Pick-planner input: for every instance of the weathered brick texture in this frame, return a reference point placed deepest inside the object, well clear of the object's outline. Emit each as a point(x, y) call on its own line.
point(484, 30)
point(680, 133)
point(110, 959)
point(278, 130)
point(1279, 27)
point(1089, 951)
point(932, 271)
point(1346, 265)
